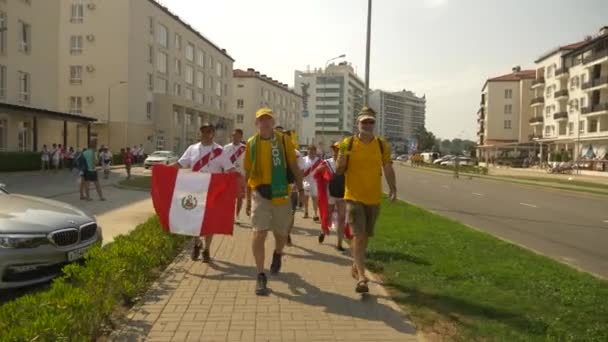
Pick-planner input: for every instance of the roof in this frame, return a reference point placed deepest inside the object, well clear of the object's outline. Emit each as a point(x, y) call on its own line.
point(588, 42)
point(568, 47)
point(61, 115)
point(513, 77)
point(190, 28)
point(252, 73)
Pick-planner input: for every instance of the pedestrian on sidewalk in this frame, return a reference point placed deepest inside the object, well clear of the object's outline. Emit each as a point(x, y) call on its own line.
point(205, 156)
point(311, 162)
point(80, 164)
point(362, 159)
point(141, 154)
point(90, 173)
point(106, 162)
point(127, 159)
point(235, 151)
point(270, 164)
point(45, 157)
point(69, 159)
point(55, 157)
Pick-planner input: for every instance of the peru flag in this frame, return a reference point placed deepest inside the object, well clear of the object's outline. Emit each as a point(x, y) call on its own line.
point(194, 203)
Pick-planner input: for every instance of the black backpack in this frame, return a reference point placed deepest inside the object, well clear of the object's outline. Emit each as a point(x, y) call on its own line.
point(336, 184)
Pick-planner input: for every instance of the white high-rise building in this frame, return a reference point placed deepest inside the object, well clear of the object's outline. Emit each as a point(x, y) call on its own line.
point(399, 114)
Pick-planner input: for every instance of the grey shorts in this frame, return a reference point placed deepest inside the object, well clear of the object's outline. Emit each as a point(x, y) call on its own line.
point(267, 216)
point(362, 217)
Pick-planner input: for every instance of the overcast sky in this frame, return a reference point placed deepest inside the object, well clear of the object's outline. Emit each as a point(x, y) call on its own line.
point(442, 48)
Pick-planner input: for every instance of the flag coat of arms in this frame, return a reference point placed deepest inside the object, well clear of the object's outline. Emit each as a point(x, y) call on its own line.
point(194, 203)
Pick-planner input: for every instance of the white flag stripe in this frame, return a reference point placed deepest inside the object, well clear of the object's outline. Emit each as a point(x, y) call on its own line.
point(183, 218)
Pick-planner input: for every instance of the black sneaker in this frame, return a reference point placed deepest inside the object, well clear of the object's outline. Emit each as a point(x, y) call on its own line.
point(196, 252)
point(316, 219)
point(340, 248)
point(206, 256)
point(275, 266)
point(321, 238)
point(260, 288)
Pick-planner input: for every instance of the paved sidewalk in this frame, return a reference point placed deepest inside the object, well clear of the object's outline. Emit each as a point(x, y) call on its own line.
point(313, 299)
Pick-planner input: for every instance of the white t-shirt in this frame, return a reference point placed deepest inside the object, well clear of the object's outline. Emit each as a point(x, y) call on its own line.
point(230, 150)
point(197, 151)
point(309, 182)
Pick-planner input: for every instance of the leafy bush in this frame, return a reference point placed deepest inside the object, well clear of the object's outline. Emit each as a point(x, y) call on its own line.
point(117, 159)
point(79, 302)
point(20, 161)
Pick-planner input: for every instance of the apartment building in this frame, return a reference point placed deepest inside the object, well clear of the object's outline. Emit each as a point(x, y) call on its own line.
point(253, 90)
point(571, 98)
point(332, 99)
point(504, 115)
point(399, 114)
point(141, 72)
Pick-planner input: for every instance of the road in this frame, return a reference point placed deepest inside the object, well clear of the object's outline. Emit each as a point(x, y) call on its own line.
point(569, 227)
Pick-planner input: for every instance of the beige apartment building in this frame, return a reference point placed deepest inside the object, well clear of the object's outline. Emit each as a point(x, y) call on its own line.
point(505, 112)
point(253, 90)
point(141, 72)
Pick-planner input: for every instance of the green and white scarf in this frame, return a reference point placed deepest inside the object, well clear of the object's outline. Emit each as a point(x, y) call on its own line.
point(278, 182)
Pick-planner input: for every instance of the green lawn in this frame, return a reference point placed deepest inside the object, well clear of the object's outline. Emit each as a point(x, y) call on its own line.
point(467, 285)
point(141, 182)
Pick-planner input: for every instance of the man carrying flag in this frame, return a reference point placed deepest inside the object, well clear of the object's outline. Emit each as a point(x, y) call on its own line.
point(208, 157)
point(270, 165)
point(235, 151)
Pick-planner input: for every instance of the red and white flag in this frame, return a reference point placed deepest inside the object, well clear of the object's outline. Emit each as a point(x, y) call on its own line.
point(194, 203)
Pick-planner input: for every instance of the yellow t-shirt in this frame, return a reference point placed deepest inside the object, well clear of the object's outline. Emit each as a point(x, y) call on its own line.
point(364, 170)
point(265, 161)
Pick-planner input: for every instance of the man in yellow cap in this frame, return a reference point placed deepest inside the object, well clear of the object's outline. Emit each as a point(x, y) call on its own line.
point(270, 165)
point(363, 158)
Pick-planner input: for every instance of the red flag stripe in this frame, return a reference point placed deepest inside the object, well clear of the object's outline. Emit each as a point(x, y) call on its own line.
point(222, 192)
point(201, 163)
point(163, 183)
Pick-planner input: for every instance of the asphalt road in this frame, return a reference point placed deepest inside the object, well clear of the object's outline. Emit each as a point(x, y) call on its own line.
point(569, 227)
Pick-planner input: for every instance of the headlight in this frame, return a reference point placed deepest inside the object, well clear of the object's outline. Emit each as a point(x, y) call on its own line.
point(23, 240)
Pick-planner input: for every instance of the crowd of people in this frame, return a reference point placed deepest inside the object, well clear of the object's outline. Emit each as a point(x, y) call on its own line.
point(344, 191)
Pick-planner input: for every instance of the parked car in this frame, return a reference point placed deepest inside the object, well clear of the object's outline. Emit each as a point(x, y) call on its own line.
point(462, 161)
point(429, 157)
point(160, 157)
point(403, 157)
point(39, 236)
point(442, 159)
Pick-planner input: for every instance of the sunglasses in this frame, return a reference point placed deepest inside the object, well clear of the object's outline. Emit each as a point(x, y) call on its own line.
point(368, 122)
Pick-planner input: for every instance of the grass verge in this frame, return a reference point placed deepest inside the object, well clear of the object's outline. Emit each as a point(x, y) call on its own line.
point(79, 303)
point(462, 284)
point(139, 183)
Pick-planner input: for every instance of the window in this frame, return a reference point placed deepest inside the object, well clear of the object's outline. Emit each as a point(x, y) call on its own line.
point(240, 118)
point(3, 133)
point(240, 103)
point(176, 117)
point(218, 88)
point(161, 85)
point(3, 28)
point(225, 89)
point(151, 25)
point(178, 66)
point(549, 92)
point(24, 87)
point(574, 82)
point(190, 94)
point(200, 80)
point(75, 104)
point(508, 108)
point(507, 124)
point(240, 86)
point(76, 74)
point(25, 39)
point(550, 71)
point(76, 45)
point(178, 42)
point(508, 93)
point(570, 128)
point(163, 36)
point(199, 98)
point(2, 81)
point(77, 13)
point(189, 74)
point(573, 105)
point(581, 126)
point(190, 52)
point(592, 126)
point(177, 89)
point(583, 102)
point(210, 62)
point(161, 62)
point(210, 82)
point(219, 69)
point(148, 110)
point(200, 58)
point(150, 54)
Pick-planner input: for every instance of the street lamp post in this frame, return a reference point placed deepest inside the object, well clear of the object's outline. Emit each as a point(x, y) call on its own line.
point(367, 48)
point(323, 119)
point(109, 103)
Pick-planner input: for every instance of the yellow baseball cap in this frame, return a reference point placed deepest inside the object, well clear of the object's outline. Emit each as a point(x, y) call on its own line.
point(263, 111)
point(366, 113)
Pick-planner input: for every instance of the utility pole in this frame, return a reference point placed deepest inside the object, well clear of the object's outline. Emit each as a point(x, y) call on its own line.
point(367, 48)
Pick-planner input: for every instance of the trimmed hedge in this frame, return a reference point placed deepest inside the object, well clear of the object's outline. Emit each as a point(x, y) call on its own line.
point(20, 161)
point(78, 304)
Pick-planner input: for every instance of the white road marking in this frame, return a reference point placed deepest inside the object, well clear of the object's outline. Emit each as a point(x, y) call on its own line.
point(529, 205)
point(477, 194)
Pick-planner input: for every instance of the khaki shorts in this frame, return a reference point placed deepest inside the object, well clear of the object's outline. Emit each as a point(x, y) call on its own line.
point(277, 218)
point(362, 217)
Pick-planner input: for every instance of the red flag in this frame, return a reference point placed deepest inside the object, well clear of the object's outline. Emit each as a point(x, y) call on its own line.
point(194, 203)
point(322, 176)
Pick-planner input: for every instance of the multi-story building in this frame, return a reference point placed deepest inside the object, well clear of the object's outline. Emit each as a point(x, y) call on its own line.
point(505, 112)
point(252, 90)
point(147, 78)
point(332, 99)
point(571, 103)
point(399, 114)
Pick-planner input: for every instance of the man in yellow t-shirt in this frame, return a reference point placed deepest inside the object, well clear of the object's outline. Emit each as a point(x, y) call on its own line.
point(363, 158)
point(270, 159)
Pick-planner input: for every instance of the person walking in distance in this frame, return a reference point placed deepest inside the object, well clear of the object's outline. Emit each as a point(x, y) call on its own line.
point(55, 158)
point(235, 151)
point(270, 165)
point(209, 157)
point(45, 158)
point(90, 173)
point(362, 159)
point(127, 159)
point(311, 162)
point(106, 162)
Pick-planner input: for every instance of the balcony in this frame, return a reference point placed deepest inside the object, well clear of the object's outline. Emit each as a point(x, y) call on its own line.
point(537, 101)
point(561, 94)
point(596, 109)
point(560, 116)
point(594, 57)
point(540, 81)
point(537, 120)
point(596, 82)
point(561, 72)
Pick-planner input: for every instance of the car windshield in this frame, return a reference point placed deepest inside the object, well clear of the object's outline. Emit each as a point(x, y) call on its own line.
point(161, 154)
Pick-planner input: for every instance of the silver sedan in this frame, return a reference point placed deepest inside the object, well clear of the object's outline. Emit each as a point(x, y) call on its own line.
point(39, 236)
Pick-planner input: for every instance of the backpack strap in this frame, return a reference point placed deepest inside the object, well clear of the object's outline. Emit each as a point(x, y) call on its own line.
point(350, 147)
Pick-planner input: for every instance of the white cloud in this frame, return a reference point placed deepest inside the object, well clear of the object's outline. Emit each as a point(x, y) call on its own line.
point(435, 3)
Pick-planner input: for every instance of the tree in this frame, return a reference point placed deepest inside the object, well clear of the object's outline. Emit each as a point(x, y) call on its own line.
point(426, 139)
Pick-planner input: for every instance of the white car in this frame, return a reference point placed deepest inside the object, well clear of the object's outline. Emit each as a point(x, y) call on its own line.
point(462, 161)
point(442, 159)
point(160, 157)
